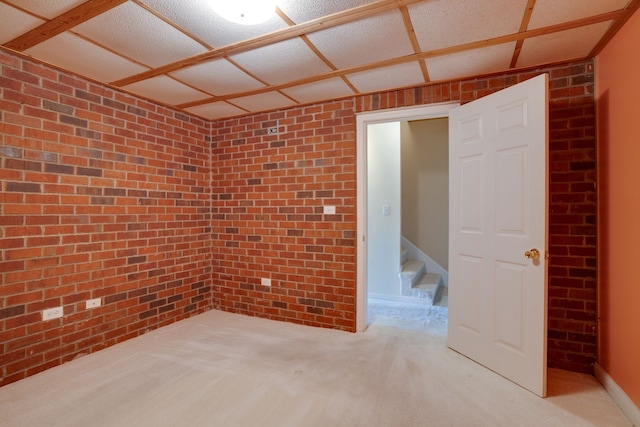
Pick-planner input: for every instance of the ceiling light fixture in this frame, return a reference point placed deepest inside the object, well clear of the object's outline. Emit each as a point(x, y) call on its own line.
point(246, 12)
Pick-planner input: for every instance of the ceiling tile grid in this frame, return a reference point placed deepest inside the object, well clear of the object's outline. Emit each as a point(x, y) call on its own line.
point(182, 54)
point(471, 63)
point(262, 102)
point(216, 110)
point(72, 52)
point(278, 63)
point(324, 89)
point(553, 12)
point(363, 42)
point(217, 77)
point(395, 76)
point(555, 47)
point(443, 23)
point(139, 35)
point(166, 90)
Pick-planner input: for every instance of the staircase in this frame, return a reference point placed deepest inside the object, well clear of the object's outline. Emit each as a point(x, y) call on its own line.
point(416, 282)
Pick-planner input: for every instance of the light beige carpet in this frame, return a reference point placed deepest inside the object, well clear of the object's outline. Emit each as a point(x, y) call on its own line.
point(221, 369)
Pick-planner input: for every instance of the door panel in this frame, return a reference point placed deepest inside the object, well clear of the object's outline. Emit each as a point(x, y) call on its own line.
point(498, 211)
point(472, 169)
point(470, 284)
point(511, 190)
point(509, 306)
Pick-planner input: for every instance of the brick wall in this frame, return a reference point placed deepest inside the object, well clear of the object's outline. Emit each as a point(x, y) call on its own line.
point(268, 197)
point(102, 195)
point(572, 219)
point(268, 193)
point(163, 215)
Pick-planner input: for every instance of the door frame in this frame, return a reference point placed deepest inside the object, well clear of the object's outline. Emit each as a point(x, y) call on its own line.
point(363, 120)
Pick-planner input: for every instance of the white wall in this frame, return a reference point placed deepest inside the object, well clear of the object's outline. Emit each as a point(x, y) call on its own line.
point(383, 188)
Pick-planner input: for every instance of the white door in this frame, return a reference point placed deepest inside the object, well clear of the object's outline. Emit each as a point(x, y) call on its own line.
point(498, 220)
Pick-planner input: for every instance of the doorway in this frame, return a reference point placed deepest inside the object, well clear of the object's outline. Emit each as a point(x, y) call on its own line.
point(498, 156)
point(364, 121)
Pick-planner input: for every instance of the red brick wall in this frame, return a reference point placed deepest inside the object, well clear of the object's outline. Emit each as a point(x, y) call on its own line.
point(102, 195)
point(268, 197)
point(572, 219)
point(268, 193)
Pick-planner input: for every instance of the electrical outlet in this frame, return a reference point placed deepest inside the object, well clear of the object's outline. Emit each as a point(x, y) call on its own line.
point(265, 282)
point(52, 313)
point(92, 303)
point(273, 130)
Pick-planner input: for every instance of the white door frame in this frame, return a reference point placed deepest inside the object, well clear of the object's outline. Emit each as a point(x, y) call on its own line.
point(430, 111)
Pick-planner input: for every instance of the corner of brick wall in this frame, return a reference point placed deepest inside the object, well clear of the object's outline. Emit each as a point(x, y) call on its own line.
point(268, 196)
point(102, 195)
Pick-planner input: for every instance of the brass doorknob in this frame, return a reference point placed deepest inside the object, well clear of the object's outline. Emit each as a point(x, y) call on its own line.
point(532, 254)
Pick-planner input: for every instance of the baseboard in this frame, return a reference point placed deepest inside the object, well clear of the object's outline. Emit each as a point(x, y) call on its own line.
point(618, 395)
point(400, 298)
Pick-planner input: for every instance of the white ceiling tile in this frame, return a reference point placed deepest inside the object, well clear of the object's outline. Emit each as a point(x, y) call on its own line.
point(166, 90)
point(216, 110)
point(71, 52)
point(363, 42)
point(134, 32)
point(14, 22)
point(281, 62)
point(471, 63)
point(440, 24)
point(402, 75)
point(303, 11)
point(551, 12)
point(218, 77)
point(561, 46)
point(322, 90)
point(48, 9)
point(263, 101)
point(198, 18)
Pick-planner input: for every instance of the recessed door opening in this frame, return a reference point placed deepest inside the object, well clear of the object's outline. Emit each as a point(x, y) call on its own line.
point(396, 273)
point(407, 224)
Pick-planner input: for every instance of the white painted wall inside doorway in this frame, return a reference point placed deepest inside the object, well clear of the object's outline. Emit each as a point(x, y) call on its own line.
point(384, 208)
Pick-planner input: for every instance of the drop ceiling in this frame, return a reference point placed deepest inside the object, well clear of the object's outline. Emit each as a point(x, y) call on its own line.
point(182, 54)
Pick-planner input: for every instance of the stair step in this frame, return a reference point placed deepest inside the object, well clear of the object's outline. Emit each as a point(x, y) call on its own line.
point(429, 291)
point(412, 270)
point(429, 279)
point(428, 286)
point(415, 281)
